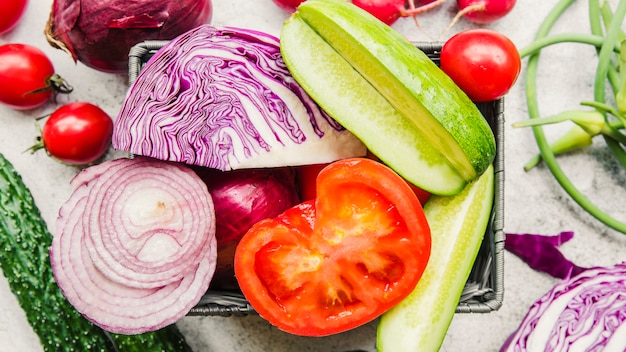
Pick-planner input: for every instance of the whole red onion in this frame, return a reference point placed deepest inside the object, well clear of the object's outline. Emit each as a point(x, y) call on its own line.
point(241, 198)
point(100, 33)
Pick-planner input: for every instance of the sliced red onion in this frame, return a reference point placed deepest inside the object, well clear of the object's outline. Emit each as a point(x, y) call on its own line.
point(586, 312)
point(116, 295)
point(223, 98)
point(141, 221)
point(100, 33)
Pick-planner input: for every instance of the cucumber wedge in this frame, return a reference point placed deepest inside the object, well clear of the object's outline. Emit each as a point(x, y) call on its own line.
point(361, 109)
point(458, 224)
point(412, 84)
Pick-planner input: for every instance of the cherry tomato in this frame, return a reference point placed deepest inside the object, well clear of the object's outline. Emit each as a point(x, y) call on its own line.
point(341, 260)
point(77, 133)
point(482, 62)
point(27, 78)
point(11, 12)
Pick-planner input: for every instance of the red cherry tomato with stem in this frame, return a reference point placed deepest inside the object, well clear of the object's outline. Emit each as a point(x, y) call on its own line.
point(76, 133)
point(11, 11)
point(482, 62)
point(27, 77)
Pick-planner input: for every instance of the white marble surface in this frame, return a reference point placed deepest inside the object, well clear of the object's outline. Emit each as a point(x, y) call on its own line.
point(534, 201)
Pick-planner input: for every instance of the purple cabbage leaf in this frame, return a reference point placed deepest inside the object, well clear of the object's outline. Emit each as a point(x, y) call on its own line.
point(223, 98)
point(541, 253)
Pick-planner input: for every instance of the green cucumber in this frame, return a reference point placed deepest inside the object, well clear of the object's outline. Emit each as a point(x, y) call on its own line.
point(24, 260)
point(458, 224)
point(361, 109)
point(404, 75)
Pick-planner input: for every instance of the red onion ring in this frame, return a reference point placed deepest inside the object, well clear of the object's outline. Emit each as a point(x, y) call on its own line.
point(109, 298)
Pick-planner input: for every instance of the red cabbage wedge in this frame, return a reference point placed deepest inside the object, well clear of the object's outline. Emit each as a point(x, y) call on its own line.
point(135, 247)
point(586, 312)
point(223, 98)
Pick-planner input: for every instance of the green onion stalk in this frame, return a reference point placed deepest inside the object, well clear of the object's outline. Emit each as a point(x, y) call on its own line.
point(609, 40)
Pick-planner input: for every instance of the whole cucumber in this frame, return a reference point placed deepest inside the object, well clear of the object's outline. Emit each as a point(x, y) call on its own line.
point(24, 260)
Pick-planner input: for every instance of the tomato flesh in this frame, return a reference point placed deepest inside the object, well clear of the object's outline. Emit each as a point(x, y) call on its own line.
point(338, 261)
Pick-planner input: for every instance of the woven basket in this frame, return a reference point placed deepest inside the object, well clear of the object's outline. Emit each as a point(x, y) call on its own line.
point(484, 290)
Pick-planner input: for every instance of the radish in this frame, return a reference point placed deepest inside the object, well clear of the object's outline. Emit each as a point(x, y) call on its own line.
point(481, 11)
point(288, 5)
point(389, 11)
point(484, 11)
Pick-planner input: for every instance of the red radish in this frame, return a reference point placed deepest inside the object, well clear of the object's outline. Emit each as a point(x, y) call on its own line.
point(389, 11)
point(288, 5)
point(481, 11)
point(484, 11)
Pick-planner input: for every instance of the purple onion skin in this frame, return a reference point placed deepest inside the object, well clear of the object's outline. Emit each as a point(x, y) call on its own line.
point(100, 33)
point(241, 198)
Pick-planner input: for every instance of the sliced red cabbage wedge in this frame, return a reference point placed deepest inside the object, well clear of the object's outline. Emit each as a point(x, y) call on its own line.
point(135, 247)
point(223, 98)
point(586, 312)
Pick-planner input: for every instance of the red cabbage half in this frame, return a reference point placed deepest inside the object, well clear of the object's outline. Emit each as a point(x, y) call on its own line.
point(223, 98)
point(100, 33)
point(586, 312)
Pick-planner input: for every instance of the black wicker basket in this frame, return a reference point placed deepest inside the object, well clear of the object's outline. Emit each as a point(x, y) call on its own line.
point(484, 290)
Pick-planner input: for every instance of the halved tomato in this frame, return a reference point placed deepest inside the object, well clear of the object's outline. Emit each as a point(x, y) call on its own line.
point(339, 261)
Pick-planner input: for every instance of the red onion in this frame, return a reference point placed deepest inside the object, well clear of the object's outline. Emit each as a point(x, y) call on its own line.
point(100, 33)
point(242, 198)
point(135, 246)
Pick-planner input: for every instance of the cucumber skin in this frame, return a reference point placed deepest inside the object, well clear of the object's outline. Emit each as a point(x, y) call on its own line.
point(24, 259)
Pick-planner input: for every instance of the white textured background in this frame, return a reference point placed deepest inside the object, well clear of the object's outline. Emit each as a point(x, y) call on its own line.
point(534, 201)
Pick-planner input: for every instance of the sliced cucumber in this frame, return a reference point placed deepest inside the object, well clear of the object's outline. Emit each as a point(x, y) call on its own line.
point(458, 224)
point(402, 74)
point(360, 108)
